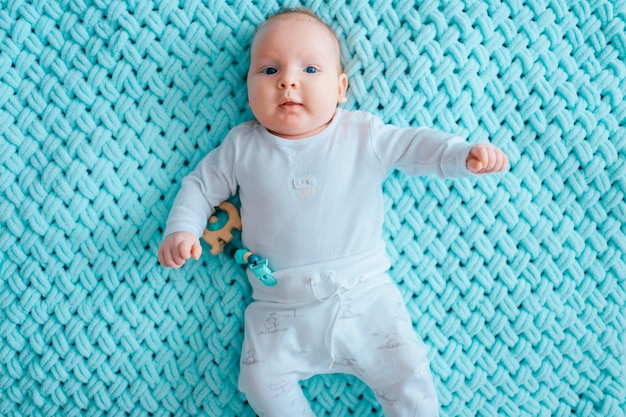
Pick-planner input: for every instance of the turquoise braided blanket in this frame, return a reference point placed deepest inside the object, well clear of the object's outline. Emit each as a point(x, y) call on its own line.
point(516, 282)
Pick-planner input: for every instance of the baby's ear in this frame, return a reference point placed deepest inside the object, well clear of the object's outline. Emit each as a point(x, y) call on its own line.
point(343, 88)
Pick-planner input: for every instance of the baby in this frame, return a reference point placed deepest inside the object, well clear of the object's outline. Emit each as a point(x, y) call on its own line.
point(309, 177)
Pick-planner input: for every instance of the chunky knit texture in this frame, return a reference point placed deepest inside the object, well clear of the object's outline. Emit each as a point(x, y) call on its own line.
point(517, 281)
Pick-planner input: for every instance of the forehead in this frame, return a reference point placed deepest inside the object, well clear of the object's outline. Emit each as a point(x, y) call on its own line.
point(294, 28)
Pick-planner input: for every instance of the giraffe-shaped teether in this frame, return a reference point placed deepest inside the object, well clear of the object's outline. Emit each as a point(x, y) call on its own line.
point(219, 237)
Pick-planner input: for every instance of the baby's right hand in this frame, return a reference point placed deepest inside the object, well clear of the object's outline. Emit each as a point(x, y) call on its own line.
point(177, 248)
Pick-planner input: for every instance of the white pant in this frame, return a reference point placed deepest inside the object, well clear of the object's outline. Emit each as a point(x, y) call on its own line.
point(357, 325)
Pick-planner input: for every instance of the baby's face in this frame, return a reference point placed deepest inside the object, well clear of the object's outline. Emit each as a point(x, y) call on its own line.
point(294, 80)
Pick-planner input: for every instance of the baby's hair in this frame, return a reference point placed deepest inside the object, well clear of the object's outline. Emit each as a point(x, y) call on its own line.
point(307, 12)
point(297, 10)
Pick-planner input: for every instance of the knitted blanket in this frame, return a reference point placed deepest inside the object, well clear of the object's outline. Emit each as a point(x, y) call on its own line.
point(516, 281)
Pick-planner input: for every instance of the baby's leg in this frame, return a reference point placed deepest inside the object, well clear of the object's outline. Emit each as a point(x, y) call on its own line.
point(282, 345)
point(278, 396)
point(386, 353)
point(412, 394)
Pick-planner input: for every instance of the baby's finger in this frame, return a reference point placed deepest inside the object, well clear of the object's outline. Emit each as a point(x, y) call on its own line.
point(501, 161)
point(183, 253)
point(475, 166)
point(477, 158)
point(491, 159)
point(166, 259)
point(161, 257)
point(504, 162)
point(196, 250)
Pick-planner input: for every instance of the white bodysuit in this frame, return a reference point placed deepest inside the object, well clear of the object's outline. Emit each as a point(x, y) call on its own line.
point(314, 208)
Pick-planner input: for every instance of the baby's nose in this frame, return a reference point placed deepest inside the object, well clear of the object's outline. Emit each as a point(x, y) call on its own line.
point(288, 80)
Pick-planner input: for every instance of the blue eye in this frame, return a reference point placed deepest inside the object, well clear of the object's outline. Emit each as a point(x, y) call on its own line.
point(270, 71)
point(310, 70)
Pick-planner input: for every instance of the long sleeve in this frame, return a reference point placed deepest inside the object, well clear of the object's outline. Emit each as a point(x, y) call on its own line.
point(419, 151)
point(210, 183)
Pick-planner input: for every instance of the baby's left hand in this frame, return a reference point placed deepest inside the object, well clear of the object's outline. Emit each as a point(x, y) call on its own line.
point(485, 158)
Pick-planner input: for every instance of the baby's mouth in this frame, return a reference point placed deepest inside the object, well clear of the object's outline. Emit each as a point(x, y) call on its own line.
point(290, 104)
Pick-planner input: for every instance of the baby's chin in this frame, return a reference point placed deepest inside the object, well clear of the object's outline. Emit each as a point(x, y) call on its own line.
point(291, 135)
point(297, 134)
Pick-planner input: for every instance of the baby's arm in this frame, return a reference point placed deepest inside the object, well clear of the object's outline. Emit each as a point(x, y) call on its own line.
point(485, 158)
point(177, 248)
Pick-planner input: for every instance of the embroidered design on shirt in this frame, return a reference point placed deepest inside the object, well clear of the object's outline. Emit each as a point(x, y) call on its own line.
point(272, 325)
point(278, 386)
point(251, 358)
point(306, 186)
point(389, 340)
